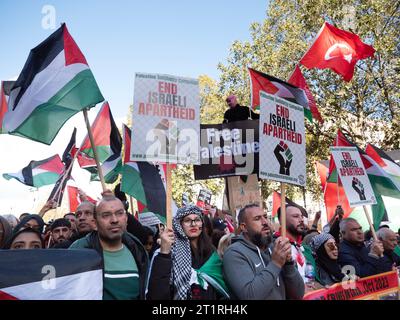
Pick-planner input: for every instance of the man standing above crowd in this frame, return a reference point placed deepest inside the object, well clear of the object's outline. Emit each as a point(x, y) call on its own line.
point(255, 270)
point(125, 259)
point(353, 252)
point(237, 112)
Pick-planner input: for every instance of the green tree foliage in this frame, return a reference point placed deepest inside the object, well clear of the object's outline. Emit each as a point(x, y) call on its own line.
point(367, 104)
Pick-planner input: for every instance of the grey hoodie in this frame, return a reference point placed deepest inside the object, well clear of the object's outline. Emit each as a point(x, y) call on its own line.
point(251, 275)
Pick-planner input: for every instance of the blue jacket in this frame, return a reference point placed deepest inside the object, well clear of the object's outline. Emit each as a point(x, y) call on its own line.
point(359, 257)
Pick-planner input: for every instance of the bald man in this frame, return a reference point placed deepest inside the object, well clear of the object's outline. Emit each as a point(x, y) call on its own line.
point(389, 241)
point(237, 112)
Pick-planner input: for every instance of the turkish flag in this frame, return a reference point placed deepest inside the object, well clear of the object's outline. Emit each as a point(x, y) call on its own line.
point(338, 50)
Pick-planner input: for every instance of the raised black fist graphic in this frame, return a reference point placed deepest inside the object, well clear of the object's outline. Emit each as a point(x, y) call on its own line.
point(284, 157)
point(359, 187)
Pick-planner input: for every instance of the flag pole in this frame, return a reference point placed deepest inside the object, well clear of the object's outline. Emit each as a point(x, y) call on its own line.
point(168, 183)
point(371, 226)
point(103, 184)
point(131, 203)
point(283, 210)
point(66, 174)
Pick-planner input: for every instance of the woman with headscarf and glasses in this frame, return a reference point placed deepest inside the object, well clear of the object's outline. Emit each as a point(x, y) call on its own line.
point(187, 266)
point(326, 254)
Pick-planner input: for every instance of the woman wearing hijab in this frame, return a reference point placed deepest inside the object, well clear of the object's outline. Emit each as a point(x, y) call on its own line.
point(187, 266)
point(25, 238)
point(326, 253)
point(33, 221)
point(5, 231)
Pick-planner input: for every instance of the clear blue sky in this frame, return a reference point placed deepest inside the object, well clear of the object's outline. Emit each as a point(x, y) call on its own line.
point(119, 38)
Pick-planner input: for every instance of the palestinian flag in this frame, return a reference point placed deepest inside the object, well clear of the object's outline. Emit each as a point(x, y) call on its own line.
point(39, 173)
point(74, 199)
point(311, 110)
point(55, 84)
point(50, 274)
point(276, 204)
point(111, 169)
point(67, 158)
point(142, 181)
point(106, 135)
point(381, 182)
point(385, 162)
point(261, 81)
point(5, 88)
point(333, 193)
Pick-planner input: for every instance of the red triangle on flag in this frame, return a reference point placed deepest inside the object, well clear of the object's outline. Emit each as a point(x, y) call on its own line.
point(71, 50)
point(3, 104)
point(297, 79)
point(101, 130)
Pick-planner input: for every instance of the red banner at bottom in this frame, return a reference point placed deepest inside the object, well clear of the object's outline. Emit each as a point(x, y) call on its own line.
point(384, 286)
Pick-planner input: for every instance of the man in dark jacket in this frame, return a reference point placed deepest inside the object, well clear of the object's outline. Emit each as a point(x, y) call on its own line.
point(125, 259)
point(252, 269)
point(353, 252)
point(389, 241)
point(237, 112)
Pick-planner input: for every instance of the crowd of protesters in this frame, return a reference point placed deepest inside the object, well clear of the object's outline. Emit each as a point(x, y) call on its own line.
point(200, 257)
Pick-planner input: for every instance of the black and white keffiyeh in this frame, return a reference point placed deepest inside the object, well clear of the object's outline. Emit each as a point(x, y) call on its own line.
point(181, 254)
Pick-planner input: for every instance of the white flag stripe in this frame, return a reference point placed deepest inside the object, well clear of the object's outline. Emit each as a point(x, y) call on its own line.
point(43, 87)
point(122, 275)
point(80, 286)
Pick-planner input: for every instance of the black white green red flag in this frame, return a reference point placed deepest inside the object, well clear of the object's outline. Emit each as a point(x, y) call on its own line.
point(39, 173)
point(382, 183)
point(51, 274)
point(55, 84)
point(108, 143)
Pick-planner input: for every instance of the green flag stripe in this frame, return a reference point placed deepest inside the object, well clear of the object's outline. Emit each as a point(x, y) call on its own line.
point(47, 119)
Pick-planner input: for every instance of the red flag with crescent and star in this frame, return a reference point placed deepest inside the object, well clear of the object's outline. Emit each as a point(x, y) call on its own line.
point(338, 50)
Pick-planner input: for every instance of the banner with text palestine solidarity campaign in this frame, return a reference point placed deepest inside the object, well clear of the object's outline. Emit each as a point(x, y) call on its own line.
point(165, 119)
point(282, 140)
point(354, 178)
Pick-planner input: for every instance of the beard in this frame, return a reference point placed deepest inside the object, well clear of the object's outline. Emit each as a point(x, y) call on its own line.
point(259, 240)
point(296, 231)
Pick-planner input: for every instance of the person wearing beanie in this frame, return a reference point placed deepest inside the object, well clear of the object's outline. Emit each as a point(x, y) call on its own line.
point(326, 253)
point(187, 266)
point(219, 230)
point(61, 231)
point(25, 238)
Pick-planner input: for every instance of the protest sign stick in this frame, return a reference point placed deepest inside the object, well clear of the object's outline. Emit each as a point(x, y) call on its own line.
point(283, 210)
point(169, 195)
point(131, 203)
point(96, 158)
point(371, 226)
